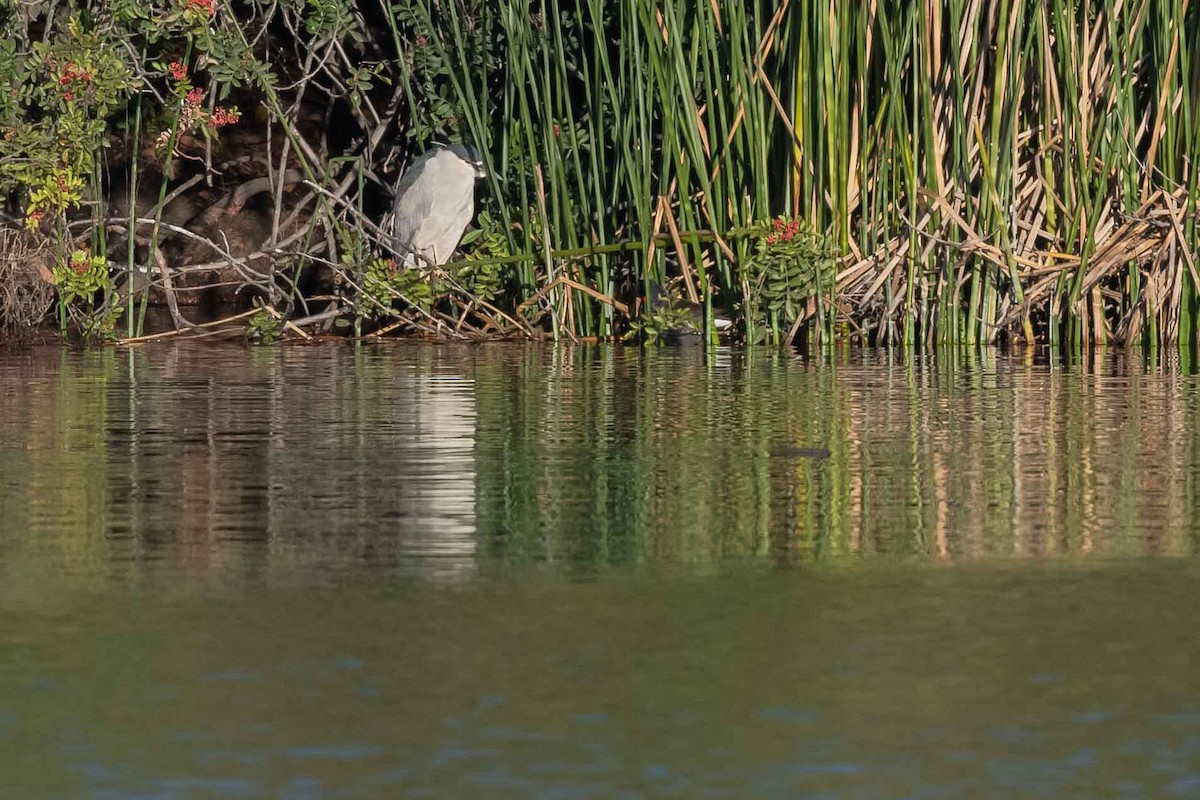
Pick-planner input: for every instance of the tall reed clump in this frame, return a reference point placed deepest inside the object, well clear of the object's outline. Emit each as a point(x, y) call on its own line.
point(984, 170)
point(1004, 169)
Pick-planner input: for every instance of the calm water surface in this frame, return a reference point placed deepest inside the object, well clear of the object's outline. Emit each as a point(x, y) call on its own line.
point(412, 571)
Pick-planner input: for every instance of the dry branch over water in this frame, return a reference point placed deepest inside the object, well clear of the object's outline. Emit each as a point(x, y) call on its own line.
point(942, 171)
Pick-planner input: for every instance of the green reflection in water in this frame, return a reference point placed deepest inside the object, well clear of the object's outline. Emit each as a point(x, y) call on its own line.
point(667, 456)
point(206, 459)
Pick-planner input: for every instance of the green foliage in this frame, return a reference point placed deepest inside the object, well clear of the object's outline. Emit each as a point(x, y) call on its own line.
point(264, 327)
point(361, 80)
point(474, 273)
point(84, 285)
point(656, 323)
point(55, 116)
point(791, 265)
point(102, 325)
point(331, 17)
point(81, 276)
point(436, 49)
point(387, 280)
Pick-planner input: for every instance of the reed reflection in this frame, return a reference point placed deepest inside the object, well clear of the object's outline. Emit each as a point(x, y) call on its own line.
point(232, 461)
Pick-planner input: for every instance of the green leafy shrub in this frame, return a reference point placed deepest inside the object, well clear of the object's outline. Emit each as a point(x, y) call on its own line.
point(55, 117)
point(264, 327)
point(81, 276)
point(83, 280)
point(792, 264)
point(655, 323)
point(387, 280)
point(487, 242)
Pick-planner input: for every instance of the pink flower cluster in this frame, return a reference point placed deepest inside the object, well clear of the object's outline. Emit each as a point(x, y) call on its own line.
point(784, 231)
point(193, 113)
point(209, 7)
point(225, 116)
point(71, 75)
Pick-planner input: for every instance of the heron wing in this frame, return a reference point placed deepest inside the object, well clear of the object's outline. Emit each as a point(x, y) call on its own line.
point(455, 221)
point(434, 204)
point(414, 201)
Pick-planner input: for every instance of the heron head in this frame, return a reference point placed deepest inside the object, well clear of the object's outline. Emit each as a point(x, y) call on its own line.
point(469, 154)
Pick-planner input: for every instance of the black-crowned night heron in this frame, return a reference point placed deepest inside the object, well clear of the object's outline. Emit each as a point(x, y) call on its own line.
point(435, 201)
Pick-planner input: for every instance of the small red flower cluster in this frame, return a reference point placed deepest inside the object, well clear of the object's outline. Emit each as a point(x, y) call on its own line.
point(193, 114)
point(224, 116)
point(207, 6)
point(34, 217)
point(71, 74)
point(79, 261)
point(784, 232)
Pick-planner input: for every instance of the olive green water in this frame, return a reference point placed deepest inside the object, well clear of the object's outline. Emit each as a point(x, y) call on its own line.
point(518, 572)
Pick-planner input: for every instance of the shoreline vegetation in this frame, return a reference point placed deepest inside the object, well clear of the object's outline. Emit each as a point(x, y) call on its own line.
point(918, 173)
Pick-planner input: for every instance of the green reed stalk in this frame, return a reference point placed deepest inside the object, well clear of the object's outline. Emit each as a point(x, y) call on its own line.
point(130, 238)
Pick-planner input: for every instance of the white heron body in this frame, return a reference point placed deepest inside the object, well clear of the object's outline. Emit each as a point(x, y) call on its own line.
point(435, 201)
